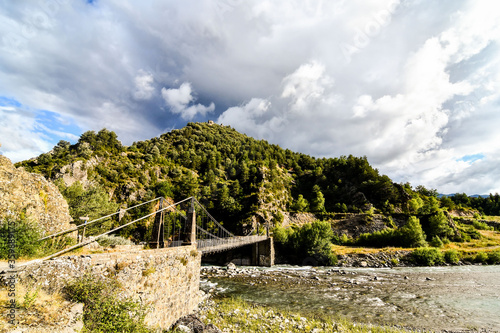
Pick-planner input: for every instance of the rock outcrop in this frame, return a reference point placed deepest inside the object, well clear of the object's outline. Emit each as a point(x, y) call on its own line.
point(77, 172)
point(40, 199)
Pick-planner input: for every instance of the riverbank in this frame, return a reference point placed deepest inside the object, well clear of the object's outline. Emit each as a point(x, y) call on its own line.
point(226, 314)
point(439, 299)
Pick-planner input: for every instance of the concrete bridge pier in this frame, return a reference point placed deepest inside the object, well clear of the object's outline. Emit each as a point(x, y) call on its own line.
point(263, 253)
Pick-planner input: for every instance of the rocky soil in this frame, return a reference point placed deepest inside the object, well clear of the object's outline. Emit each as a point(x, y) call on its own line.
point(44, 204)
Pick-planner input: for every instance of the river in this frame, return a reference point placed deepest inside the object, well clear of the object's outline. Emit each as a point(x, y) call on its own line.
point(455, 298)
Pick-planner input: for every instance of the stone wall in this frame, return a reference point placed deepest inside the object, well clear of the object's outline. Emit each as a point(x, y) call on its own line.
point(166, 280)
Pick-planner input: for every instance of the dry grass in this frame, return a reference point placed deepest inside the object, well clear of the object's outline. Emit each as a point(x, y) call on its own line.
point(490, 241)
point(492, 218)
point(35, 307)
point(341, 250)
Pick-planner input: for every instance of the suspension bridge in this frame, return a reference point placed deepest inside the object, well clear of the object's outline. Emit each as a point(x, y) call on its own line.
point(182, 223)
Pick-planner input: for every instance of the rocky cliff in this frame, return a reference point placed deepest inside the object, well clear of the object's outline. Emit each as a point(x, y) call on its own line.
point(40, 199)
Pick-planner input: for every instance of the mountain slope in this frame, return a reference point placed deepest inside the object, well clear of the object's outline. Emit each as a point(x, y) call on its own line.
point(235, 176)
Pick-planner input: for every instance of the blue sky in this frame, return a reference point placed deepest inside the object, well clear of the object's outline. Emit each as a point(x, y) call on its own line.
point(412, 85)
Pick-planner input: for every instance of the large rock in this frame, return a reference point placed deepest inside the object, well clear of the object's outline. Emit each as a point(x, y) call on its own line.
point(40, 198)
point(77, 172)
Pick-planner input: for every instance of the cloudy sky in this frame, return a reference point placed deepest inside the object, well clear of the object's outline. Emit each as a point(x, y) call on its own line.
point(412, 85)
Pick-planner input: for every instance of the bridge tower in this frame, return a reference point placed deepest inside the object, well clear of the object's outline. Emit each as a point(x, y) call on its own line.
point(157, 237)
point(190, 237)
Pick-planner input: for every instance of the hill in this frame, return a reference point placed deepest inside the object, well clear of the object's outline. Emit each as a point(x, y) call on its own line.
point(245, 183)
point(235, 176)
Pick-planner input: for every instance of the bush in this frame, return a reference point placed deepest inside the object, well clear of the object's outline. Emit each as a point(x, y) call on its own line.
point(19, 236)
point(104, 310)
point(380, 238)
point(494, 258)
point(436, 242)
point(111, 240)
point(411, 234)
point(481, 257)
point(452, 256)
point(427, 256)
point(310, 243)
point(481, 225)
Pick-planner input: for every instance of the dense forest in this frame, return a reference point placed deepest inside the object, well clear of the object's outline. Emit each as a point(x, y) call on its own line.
point(237, 178)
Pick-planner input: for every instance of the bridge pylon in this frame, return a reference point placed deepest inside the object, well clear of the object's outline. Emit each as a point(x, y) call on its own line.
point(190, 238)
point(157, 236)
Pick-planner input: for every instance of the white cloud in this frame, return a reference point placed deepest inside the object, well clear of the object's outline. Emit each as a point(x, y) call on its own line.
point(419, 91)
point(179, 99)
point(19, 135)
point(144, 88)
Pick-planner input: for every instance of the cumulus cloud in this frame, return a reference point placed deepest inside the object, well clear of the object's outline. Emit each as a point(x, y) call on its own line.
point(21, 135)
point(179, 99)
point(144, 88)
point(414, 86)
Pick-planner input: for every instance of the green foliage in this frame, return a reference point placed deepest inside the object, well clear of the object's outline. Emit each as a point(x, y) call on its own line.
point(280, 234)
point(382, 238)
point(438, 226)
point(486, 206)
point(451, 256)
point(312, 240)
point(230, 173)
point(411, 234)
point(481, 225)
point(18, 237)
point(30, 296)
point(111, 240)
point(318, 200)
point(301, 204)
point(436, 242)
point(278, 218)
point(494, 258)
point(93, 203)
point(481, 257)
point(426, 256)
point(104, 310)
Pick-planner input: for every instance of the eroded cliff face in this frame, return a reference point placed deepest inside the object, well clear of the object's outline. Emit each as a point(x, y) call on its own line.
point(44, 204)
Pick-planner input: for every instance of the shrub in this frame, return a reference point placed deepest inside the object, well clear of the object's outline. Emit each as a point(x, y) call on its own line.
point(112, 240)
point(380, 238)
point(481, 225)
point(411, 234)
point(436, 242)
point(427, 256)
point(481, 257)
point(311, 241)
point(20, 236)
point(439, 226)
point(104, 310)
point(494, 258)
point(451, 256)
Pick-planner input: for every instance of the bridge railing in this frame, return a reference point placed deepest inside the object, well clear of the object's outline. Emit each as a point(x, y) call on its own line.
point(171, 207)
point(172, 226)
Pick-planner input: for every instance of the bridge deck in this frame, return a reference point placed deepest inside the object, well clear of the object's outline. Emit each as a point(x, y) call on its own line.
point(223, 244)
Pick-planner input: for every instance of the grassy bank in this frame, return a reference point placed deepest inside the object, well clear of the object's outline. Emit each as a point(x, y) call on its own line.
point(235, 315)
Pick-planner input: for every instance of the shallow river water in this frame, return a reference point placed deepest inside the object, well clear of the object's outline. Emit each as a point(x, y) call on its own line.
point(437, 298)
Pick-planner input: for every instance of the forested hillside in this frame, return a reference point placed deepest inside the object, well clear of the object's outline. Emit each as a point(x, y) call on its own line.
point(242, 181)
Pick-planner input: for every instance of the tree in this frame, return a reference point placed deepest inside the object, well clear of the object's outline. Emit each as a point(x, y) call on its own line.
point(83, 149)
point(93, 203)
point(314, 240)
point(438, 226)
point(61, 147)
point(411, 234)
point(318, 201)
point(301, 204)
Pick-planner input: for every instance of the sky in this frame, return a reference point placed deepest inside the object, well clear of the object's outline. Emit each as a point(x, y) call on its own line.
point(412, 85)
